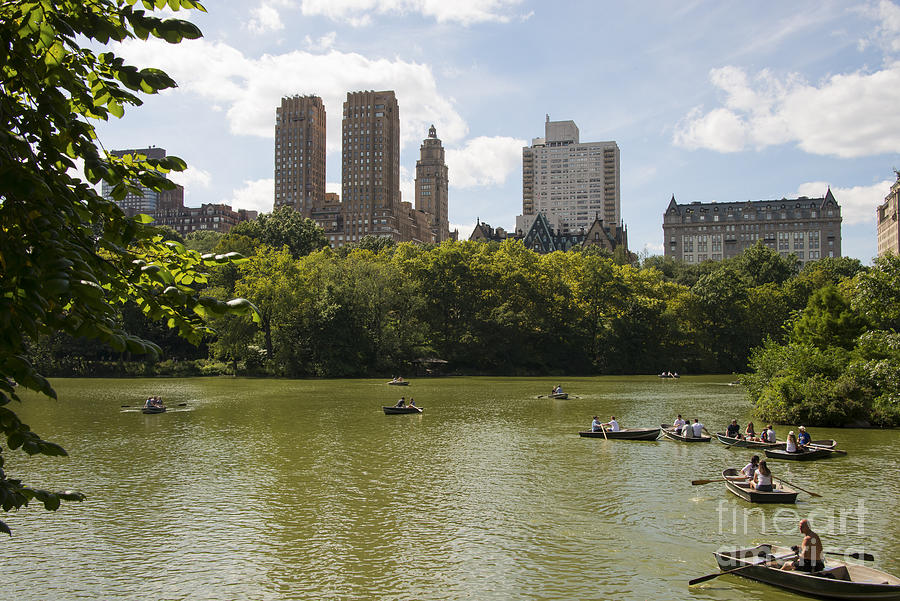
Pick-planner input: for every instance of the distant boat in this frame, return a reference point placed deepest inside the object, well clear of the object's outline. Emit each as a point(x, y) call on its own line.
point(153, 410)
point(810, 454)
point(399, 410)
point(559, 395)
point(398, 383)
point(669, 432)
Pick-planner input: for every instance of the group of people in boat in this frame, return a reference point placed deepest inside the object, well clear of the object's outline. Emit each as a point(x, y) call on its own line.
point(795, 442)
point(557, 389)
point(686, 429)
point(403, 403)
point(611, 426)
point(758, 474)
point(153, 402)
point(397, 379)
point(668, 374)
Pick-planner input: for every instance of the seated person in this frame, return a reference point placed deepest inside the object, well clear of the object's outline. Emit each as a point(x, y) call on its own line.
point(762, 479)
point(733, 430)
point(791, 445)
point(698, 428)
point(769, 434)
point(678, 423)
point(412, 402)
point(750, 432)
point(596, 426)
point(687, 431)
point(809, 553)
point(401, 403)
point(803, 438)
point(613, 424)
point(749, 470)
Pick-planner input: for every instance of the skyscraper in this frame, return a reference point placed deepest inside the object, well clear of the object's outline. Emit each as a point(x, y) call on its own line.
point(148, 201)
point(300, 153)
point(370, 179)
point(431, 185)
point(570, 182)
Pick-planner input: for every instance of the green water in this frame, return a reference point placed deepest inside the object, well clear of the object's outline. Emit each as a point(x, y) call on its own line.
point(271, 490)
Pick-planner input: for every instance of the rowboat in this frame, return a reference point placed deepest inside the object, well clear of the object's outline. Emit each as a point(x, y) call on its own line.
point(399, 410)
point(808, 455)
point(153, 410)
point(398, 383)
point(742, 443)
point(742, 489)
point(625, 434)
point(559, 395)
point(669, 432)
point(839, 580)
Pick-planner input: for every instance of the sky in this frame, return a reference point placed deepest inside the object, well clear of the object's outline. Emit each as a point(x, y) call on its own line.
point(707, 100)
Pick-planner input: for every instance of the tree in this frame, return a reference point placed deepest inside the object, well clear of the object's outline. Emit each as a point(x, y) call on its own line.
point(69, 257)
point(284, 227)
point(828, 320)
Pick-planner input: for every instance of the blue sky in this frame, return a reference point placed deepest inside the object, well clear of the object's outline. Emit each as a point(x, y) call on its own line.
point(707, 100)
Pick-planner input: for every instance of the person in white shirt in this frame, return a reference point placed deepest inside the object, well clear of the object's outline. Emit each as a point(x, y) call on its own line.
point(762, 480)
point(791, 444)
point(687, 431)
point(749, 470)
point(613, 424)
point(698, 428)
point(769, 434)
point(678, 423)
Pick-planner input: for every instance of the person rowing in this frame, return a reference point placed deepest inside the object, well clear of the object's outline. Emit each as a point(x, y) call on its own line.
point(596, 425)
point(698, 428)
point(809, 552)
point(803, 438)
point(749, 470)
point(679, 424)
point(612, 424)
point(769, 434)
point(401, 403)
point(733, 430)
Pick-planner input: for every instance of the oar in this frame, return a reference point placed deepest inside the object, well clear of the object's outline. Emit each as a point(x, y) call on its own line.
point(855, 555)
point(809, 492)
point(602, 429)
point(698, 482)
point(749, 565)
point(818, 448)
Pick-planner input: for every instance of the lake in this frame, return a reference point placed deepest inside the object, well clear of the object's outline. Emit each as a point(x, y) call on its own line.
point(290, 489)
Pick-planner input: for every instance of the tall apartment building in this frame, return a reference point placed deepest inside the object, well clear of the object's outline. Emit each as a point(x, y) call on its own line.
point(148, 201)
point(570, 182)
point(887, 221)
point(370, 178)
point(300, 153)
point(432, 185)
point(809, 228)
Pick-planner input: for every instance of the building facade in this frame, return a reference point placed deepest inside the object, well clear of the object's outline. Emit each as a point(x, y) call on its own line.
point(432, 185)
point(208, 217)
point(543, 238)
point(148, 201)
point(887, 223)
point(572, 180)
point(809, 228)
point(300, 153)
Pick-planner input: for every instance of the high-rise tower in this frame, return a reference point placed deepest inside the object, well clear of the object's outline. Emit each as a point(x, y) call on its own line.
point(148, 202)
point(431, 185)
point(370, 179)
point(571, 182)
point(300, 153)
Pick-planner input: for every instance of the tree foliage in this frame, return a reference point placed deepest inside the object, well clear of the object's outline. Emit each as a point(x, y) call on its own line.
point(70, 258)
point(284, 227)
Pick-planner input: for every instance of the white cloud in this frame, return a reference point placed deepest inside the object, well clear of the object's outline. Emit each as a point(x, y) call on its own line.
point(265, 18)
point(484, 161)
point(321, 44)
point(192, 177)
point(857, 203)
point(465, 230)
point(845, 115)
point(256, 195)
point(886, 15)
point(466, 12)
point(251, 89)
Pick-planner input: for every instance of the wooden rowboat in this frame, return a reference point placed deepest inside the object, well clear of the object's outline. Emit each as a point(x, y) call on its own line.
point(559, 395)
point(398, 383)
point(749, 444)
point(153, 410)
point(625, 434)
point(400, 410)
point(742, 489)
point(669, 432)
point(808, 455)
point(839, 580)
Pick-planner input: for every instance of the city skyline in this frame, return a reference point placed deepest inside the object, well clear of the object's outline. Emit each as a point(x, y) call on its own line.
point(706, 101)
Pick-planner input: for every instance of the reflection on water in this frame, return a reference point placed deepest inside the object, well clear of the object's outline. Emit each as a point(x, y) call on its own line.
point(306, 490)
